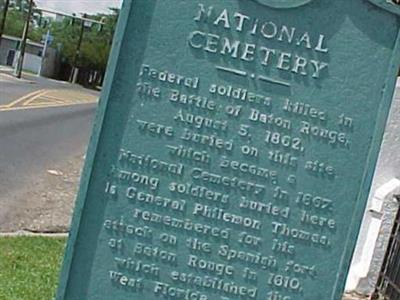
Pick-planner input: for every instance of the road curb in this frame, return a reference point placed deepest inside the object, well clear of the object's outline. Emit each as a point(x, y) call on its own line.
point(33, 234)
point(17, 79)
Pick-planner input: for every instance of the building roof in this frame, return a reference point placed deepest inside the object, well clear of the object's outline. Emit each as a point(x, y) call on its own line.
point(17, 39)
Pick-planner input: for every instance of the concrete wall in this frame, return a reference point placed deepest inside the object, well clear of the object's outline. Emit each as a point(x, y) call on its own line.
point(33, 56)
point(31, 62)
point(6, 46)
point(50, 63)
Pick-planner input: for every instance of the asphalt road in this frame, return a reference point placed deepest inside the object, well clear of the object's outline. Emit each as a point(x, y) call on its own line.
point(42, 124)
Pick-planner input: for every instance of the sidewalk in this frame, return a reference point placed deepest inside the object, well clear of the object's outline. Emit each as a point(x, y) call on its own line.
point(5, 69)
point(7, 75)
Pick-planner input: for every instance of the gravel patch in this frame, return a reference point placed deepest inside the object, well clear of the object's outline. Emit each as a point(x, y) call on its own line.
point(48, 205)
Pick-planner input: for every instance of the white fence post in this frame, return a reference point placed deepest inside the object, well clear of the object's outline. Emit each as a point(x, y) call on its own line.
point(372, 242)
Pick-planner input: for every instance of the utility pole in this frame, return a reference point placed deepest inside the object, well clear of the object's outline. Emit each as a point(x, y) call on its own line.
point(20, 63)
point(84, 22)
point(3, 19)
point(78, 51)
point(44, 52)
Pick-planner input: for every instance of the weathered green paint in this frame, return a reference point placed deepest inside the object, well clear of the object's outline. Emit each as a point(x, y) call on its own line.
point(284, 3)
point(342, 70)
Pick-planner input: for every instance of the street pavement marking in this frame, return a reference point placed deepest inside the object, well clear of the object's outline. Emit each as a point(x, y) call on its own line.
point(46, 98)
point(14, 103)
point(29, 100)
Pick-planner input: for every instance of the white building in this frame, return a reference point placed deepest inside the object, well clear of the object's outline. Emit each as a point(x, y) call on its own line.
point(33, 60)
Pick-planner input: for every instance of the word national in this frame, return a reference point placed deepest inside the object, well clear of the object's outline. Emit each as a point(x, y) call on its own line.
point(266, 37)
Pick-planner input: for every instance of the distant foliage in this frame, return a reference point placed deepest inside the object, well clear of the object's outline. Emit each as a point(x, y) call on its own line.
point(96, 42)
point(16, 17)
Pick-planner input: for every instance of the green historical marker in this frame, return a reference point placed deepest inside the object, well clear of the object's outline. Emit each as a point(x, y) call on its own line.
point(233, 150)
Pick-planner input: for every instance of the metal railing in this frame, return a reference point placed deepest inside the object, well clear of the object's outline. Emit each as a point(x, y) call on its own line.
point(388, 285)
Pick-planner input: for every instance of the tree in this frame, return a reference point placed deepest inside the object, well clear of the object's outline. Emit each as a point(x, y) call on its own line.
point(96, 44)
point(16, 20)
point(97, 40)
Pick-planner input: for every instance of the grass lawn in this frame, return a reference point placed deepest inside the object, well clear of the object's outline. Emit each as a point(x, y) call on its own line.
point(29, 267)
